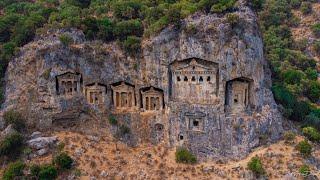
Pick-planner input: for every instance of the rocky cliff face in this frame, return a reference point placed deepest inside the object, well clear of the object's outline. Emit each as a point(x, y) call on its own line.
point(205, 86)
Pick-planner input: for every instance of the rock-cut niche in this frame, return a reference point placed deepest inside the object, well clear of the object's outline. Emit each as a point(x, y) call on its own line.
point(123, 95)
point(68, 84)
point(238, 92)
point(194, 80)
point(152, 99)
point(95, 93)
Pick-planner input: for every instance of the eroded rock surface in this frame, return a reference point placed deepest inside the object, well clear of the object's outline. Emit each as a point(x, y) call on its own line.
point(214, 83)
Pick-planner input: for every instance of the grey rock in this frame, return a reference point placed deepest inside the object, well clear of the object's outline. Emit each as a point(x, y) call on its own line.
point(289, 176)
point(35, 135)
point(93, 138)
point(232, 55)
point(42, 142)
point(8, 131)
point(2, 123)
point(42, 152)
point(104, 174)
point(79, 151)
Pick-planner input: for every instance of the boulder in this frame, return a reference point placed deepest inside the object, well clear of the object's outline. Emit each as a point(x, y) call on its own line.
point(42, 142)
point(42, 152)
point(8, 131)
point(35, 135)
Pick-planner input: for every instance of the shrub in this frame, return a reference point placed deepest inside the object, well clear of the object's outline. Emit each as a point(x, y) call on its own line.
point(65, 39)
point(132, 44)
point(14, 171)
point(256, 4)
point(313, 91)
point(223, 5)
point(306, 7)
point(312, 120)
point(174, 16)
point(185, 156)
point(304, 170)
point(113, 120)
point(311, 133)
point(256, 166)
point(233, 19)
point(316, 46)
point(35, 170)
point(300, 110)
point(311, 74)
point(11, 145)
point(48, 172)
point(292, 76)
point(304, 148)
point(289, 136)
point(63, 161)
point(14, 118)
point(128, 28)
point(316, 29)
point(124, 130)
point(295, 3)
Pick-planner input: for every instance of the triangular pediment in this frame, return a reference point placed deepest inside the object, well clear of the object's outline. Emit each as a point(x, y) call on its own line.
point(193, 66)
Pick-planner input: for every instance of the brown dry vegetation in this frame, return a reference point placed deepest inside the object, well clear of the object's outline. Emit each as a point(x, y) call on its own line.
point(158, 162)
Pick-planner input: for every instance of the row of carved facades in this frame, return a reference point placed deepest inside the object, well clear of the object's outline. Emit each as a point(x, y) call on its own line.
point(194, 81)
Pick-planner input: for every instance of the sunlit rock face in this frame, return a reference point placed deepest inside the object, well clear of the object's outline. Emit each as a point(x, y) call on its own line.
point(207, 89)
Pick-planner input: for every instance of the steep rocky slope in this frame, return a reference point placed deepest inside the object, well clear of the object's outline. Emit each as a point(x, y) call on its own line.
point(230, 125)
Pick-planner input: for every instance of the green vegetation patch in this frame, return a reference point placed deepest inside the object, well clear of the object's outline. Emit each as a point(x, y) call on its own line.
point(183, 155)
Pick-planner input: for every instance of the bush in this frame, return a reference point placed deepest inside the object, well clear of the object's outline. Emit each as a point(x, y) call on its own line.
point(223, 5)
point(312, 120)
point(174, 16)
point(313, 91)
point(185, 156)
point(128, 28)
point(306, 7)
point(311, 133)
point(316, 46)
point(11, 145)
point(14, 171)
point(289, 136)
point(48, 172)
point(304, 170)
point(113, 120)
point(35, 170)
point(304, 148)
point(256, 4)
point(63, 161)
point(256, 166)
point(66, 40)
point(316, 29)
point(295, 3)
point(14, 118)
point(233, 19)
point(124, 130)
point(132, 44)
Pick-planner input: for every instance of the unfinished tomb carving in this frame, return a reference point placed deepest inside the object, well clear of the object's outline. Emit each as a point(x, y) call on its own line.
point(95, 93)
point(238, 95)
point(195, 81)
point(195, 121)
point(152, 99)
point(123, 95)
point(68, 84)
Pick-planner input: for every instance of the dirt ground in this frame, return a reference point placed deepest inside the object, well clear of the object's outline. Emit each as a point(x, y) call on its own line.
point(99, 158)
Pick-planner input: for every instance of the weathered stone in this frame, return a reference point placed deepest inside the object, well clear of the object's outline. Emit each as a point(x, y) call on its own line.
point(93, 138)
point(42, 152)
point(8, 131)
point(42, 142)
point(213, 86)
point(35, 135)
point(104, 174)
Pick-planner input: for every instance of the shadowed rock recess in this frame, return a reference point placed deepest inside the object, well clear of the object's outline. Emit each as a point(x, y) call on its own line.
point(208, 90)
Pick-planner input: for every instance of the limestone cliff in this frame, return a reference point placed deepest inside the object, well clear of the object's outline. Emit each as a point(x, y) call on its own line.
point(205, 86)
